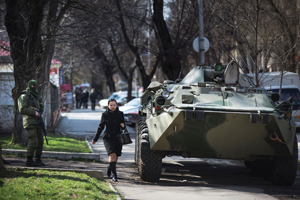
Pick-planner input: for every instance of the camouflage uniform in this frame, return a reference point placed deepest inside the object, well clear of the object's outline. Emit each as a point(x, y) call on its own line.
point(34, 132)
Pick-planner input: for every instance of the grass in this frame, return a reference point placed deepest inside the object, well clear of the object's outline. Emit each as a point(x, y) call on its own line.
point(43, 184)
point(56, 143)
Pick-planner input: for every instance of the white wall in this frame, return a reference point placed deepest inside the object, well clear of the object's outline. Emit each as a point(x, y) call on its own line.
point(6, 101)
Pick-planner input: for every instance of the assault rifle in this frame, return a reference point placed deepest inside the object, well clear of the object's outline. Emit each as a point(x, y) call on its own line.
point(40, 121)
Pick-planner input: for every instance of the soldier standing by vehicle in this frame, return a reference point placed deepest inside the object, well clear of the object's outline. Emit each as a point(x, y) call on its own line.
point(113, 119)
point(27, 107)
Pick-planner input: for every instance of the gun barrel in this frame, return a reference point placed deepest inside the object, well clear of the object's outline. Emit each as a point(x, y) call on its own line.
point(41, 123)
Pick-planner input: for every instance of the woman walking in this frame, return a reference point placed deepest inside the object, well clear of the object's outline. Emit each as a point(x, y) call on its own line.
point(113, 119)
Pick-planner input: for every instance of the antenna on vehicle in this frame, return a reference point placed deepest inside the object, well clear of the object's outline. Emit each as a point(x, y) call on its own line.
point(201, 33)
point(180, 75)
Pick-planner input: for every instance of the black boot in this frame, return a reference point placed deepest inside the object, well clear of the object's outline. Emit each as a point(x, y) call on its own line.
point(5, 161)
point(114, 171)
point(108, 170)
point(31, 163)
point(39, 161)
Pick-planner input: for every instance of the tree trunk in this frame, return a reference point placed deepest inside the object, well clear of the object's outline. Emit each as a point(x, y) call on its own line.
point(129, 89)
point(171, 63)
point(19, 134)
point(107, 68)
point(22, 53)
point(97, 85)
point(2, 168)
point(146, 80)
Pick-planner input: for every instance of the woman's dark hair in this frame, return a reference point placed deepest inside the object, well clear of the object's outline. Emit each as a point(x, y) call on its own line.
point(110, 100)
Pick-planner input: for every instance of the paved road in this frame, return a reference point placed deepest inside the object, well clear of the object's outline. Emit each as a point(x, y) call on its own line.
point(182, 178)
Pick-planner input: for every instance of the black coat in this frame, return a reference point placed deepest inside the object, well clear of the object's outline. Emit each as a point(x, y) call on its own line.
point(111, 120)
point(77, 95)
point(85, 96)
point(93, 96)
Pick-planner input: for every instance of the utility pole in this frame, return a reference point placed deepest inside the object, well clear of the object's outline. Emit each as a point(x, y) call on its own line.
point(201, 33)
point(71, 78)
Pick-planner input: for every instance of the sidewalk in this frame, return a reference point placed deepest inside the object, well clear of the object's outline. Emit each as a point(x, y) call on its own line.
point(93, 169)
point(76, 126)
point(79, 124)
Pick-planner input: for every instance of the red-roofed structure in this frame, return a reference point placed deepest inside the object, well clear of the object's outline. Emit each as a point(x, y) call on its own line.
point(53, 61)
point(4, 48)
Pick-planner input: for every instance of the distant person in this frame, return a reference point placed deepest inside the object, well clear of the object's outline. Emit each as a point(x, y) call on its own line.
point(84, 98)
point(77, 97)
point(29, 104)
point(93, 97)
point(113, 119)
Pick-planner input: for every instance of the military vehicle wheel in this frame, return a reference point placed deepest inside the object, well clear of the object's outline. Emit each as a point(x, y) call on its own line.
point(136, 144)
point(284, 169)
point(260, 168)
point(141, 124)
point(149, 162)
point(248, 164)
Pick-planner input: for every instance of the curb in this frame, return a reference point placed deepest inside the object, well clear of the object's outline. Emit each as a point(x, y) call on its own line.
point(115, 191)
point(57, 155)
point(89, 145)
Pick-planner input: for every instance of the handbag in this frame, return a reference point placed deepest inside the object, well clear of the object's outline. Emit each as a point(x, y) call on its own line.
point(125, 137)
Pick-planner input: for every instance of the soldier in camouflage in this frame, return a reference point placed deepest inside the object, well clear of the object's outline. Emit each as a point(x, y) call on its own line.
point(30, 114)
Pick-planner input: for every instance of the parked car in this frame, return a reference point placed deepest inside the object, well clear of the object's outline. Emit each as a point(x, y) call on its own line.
point(290, 88)
point(131, 111)
point(131, 104)
point(121, 98)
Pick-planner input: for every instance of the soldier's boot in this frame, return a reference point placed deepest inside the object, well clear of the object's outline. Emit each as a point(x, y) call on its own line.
point(5, 162)
point(108, 170)
point(114, 171)
point(39, 161)
point(31, 163)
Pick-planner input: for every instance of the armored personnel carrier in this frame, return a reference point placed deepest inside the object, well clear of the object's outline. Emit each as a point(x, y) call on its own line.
point(215, 113)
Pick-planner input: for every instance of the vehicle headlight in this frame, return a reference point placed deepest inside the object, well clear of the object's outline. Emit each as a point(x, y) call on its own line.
point(285, 107)
point(165, 93)
point(218, 67)
point(160, 100)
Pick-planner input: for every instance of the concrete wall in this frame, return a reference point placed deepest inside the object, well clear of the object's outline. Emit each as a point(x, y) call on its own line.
point(6, 101)
point(6, 118)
